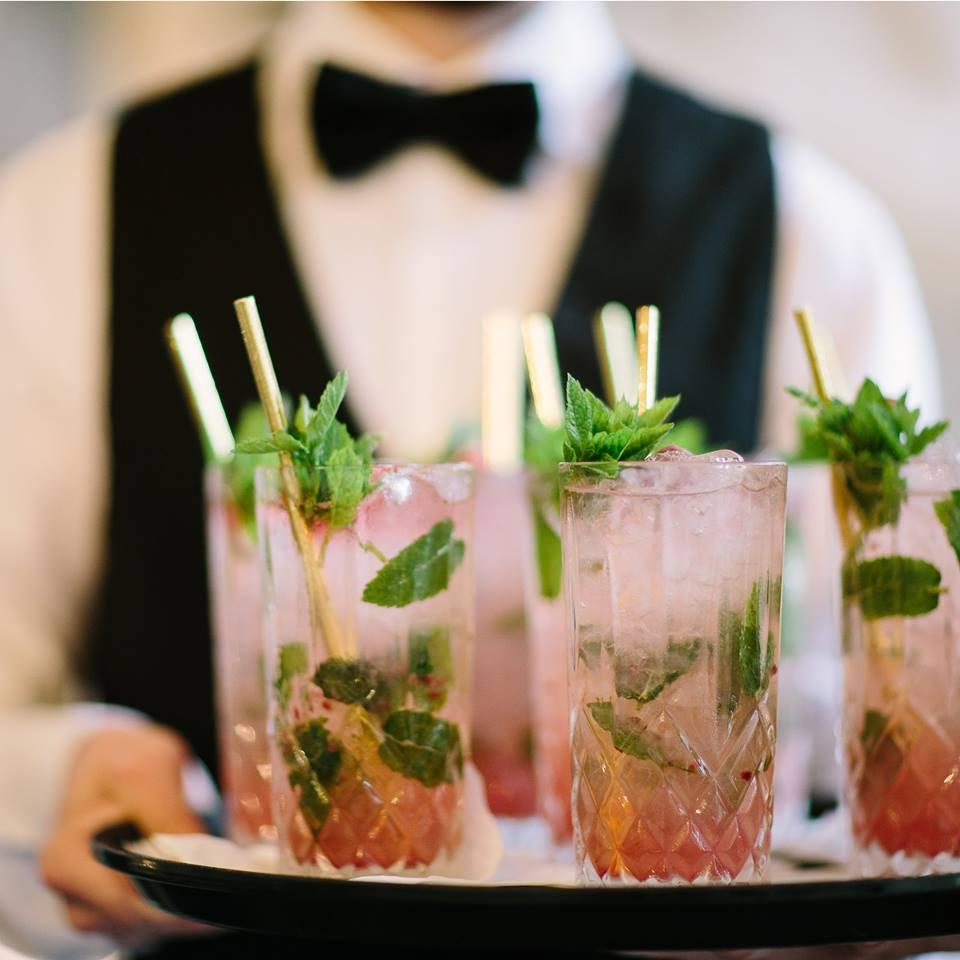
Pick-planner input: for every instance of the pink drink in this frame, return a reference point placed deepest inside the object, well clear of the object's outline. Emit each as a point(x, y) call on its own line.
point(902, 698)
point(547, 633)
point(371, 739)
point(241, 703)
point(501, 697)
point(672, 572)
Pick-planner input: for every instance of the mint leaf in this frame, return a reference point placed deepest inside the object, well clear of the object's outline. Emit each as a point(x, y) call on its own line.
point(643, 679)
point(590, 651)
point(347, 483)
point(327, 408)
point(419, 571)
point(811, 447)
point(549, 554)
point(291, 662)
point(422, 747)
point(430, 666)
point(740, 643)
point(543, 451)
point(749, 647)
point(874, 725)
point(240, 471)
point(321, 750)
point(348, 681)
point(948, 513)
point(278, 442)
point(892, 587)
point(314, 801)
point(629, 736)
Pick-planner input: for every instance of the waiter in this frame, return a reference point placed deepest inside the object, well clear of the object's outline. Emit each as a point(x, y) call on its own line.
point(377, 219)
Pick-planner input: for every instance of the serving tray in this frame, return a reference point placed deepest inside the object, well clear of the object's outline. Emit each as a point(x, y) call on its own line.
point(796, 912)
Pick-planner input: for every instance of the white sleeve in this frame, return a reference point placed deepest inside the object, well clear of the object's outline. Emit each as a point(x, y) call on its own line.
point(53, 297)
point(839, 254)
point(53, 300)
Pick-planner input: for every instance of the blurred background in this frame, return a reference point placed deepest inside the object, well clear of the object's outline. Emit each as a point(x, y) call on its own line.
point(874, 85)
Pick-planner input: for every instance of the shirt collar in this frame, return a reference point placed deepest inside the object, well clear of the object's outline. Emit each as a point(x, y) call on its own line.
point(570, 52)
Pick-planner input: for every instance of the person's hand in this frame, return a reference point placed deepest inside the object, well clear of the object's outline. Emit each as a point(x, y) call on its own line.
point(120, 774)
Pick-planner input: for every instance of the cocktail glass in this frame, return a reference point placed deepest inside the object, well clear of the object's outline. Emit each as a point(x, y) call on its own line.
point(241, 702)
point(501, 730)
point(901, 609)
point(370, 741)
point(546, 617)
point(672, 573)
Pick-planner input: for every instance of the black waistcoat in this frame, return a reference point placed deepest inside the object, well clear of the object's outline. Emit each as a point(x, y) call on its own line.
point(683, 218)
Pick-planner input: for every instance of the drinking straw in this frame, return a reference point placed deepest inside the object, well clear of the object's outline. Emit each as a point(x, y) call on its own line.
point(543, 370)
point(503, 393)
point(616, 347)
point(322, 613)
point(821, 385)
point(648, 345)
point(198, 384)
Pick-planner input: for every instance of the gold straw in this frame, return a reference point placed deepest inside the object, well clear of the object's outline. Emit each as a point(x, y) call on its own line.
point(648, 346)
point(503, 393)
point(616, 347)
point(322, 613)
point(543, 370)
point(808, 334)
point(200, 389)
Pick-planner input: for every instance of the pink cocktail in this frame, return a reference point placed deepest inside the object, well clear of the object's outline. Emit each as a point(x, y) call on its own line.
point(238, 658)
point(501, 692)
point(902, 693)
point(672, 574)
point(370, 726)
point(547, 633)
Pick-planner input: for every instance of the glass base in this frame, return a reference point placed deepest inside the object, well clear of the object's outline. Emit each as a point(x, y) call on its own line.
point(753, 871)
point(874, 861)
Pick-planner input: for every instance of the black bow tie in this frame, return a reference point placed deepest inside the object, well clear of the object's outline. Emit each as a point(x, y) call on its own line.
point(359, 121)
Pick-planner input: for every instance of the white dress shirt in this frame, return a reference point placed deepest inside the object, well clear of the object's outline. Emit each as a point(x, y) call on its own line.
point(399, 266)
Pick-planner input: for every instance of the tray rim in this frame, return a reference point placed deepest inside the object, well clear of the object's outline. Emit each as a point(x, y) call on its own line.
point(148, 871)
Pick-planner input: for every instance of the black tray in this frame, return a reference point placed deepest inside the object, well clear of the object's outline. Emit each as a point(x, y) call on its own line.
point(572, 918)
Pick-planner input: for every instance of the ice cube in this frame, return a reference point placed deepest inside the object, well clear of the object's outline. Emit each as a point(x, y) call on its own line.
point(720, 456)
point(453, 482)
point(672, 452)
point(396, 488)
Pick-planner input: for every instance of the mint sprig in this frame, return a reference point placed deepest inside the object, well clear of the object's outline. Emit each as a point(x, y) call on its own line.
point(333, 468)
point(870, 438)
point(892, 587)
point(419, 571)
point(596, 433)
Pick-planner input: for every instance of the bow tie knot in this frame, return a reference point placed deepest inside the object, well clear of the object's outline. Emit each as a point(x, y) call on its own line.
point(359, 121)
